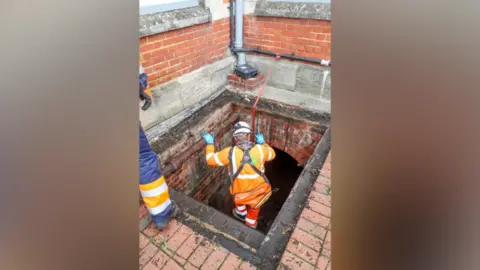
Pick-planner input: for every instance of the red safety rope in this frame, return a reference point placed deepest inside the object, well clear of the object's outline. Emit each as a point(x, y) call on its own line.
point(254, 108)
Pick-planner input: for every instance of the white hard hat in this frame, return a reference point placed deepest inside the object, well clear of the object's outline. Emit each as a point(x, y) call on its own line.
point(241, 127)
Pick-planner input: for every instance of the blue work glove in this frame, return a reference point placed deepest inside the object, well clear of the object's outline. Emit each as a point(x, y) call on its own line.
point(259, 139)
point(208, 138)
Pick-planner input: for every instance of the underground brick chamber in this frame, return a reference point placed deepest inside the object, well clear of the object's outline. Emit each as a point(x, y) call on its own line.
point(202, 191)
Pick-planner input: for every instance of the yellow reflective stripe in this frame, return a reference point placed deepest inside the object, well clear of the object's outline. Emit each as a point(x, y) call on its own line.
point(269, 153)
point(154, 192)
point(152, 202)
point(159, 209)
point(209, 156)
point(153, 184)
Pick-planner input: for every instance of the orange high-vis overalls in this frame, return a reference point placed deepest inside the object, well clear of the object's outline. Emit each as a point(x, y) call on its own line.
point(250, 187)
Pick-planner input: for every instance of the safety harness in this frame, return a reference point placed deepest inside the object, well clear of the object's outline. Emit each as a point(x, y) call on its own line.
point(247, 160)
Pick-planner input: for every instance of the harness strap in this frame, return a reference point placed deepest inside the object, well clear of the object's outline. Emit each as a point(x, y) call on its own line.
point(246, 159)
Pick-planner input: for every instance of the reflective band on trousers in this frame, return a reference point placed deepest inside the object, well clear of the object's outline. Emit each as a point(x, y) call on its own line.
point(250, 221)
point(154, 192)
point(241, 207)
point(159, 209)
point(242, 213)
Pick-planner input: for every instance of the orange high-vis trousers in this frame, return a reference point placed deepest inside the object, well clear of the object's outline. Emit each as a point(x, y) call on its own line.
point(249, 213)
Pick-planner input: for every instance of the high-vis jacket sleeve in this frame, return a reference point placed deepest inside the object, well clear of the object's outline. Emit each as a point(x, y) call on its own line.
point(217, 159)
point(268, 151)
point(153, 187)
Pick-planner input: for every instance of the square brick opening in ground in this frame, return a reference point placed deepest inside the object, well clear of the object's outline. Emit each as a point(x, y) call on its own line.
point(294, 133)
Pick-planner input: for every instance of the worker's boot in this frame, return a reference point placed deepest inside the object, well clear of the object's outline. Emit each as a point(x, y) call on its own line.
point(237, 216)
point(173, 214)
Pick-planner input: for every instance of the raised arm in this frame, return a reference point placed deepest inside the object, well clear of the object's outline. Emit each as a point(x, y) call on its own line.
point(215, 159)
point(270, 153)
point(267, 150)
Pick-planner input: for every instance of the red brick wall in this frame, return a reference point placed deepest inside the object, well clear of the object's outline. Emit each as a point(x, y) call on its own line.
point(296, 138)
point(304, 37)
point(195, 178)
point(169, 55)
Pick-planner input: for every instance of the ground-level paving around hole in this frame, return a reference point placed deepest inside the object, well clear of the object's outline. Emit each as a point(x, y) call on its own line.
point(309, 247)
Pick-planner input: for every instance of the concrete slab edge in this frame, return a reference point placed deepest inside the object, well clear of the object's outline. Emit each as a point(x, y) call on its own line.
point(156, 131)
point(316, 11)
point(204, 227)
point(151, 24)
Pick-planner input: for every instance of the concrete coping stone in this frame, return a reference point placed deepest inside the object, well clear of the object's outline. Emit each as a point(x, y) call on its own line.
point(151, 24)
point(317, 11)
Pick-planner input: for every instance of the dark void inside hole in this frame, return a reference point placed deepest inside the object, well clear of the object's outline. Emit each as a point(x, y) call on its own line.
point(282, 173)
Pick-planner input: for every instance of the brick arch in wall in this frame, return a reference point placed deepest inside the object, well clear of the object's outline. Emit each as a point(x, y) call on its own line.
point(294, 137)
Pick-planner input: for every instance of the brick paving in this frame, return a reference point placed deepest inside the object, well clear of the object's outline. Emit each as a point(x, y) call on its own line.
point(309, 247)
point(178, 247)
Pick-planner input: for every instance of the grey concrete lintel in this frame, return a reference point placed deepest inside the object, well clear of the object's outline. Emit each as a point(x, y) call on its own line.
point(316, 11)
point(151, 24)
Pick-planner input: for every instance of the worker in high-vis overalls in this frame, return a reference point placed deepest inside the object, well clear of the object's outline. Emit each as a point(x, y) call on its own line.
point(245, 160)
point(153, 188)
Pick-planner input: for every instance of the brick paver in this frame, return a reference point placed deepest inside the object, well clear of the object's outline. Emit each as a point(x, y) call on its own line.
point(143, 241)
point(215, 259)
point(158, 261)
point(302, 251)
point(172, 265)
point(309, 247)
point(290, 261)
point(181, 248)
point(201, 254)
point(232, 262)
point(189, 266)
point(246, 266)
point(311, 228)
point(310, 244)
point(322, 262)
point(151, 230)
point(179, 259)
point(307, 239)
point(179, 237)
point(146, 254)
point(167, 233)
point(189, 246)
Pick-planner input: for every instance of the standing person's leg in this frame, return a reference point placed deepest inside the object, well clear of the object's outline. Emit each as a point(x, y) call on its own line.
point(240, 212)
point(252, 216)
point(153, 187)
